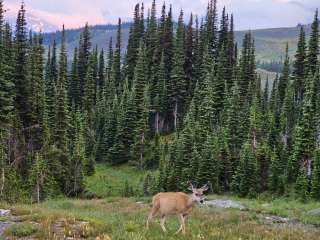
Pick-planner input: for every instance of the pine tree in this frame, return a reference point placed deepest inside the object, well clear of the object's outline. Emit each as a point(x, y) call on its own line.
point(20, 76)
point(83, 58)
point(263, 166)
point(245, 181)
point(61, 111)
point(276, 183)
point(39, 179)
point(141, 140)
point(189, 64)
point(116, 64)
point(139, 83)
point(209, 166)
point(299, 68)
point(300, 160)
point(315, 182)
point(284, 78)
point(101, 75)
point(133, 44)
point(90, 85)
point(313, 48)
point(247, 70)
point(177, 89)
point(287, 118)
point(74, 86)
point(151, 40)
point(78, 156)
point(6, 77)
point(36, 100)
point(168, 44)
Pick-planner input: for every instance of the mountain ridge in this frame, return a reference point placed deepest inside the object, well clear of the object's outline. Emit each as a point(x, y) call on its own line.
point(270, 43)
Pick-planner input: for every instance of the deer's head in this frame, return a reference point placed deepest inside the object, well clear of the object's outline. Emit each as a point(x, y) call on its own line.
point(198, 193)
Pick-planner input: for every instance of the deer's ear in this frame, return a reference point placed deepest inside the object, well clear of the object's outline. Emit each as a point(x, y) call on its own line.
point(190, 186)
point(205, 187)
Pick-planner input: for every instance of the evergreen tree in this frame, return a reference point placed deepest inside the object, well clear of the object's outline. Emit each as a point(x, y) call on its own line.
point(89, 93)
point(177, 89)
point(315, 182)
point(101, 75)
point(74, 86)
point(284, 78)
point(133, 44)
point(313, 48)
point(116, 64)
point(78, 156)
point(39, 179)
point(36, 100)
point(62, 119)
point(6, 77)
point(20, 75)
point(245, 179)
point(300, 160)
point(83, 58)
point(299, 68)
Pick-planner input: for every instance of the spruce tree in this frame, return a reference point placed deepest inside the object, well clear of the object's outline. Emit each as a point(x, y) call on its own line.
point(300, 160)
point(116, 64)
point(313, 48)
point(284, 78)
point(61, 111)
point(7, 93)
point(299, 68)
point(177, 89)
point(209, 166)
point(83, 58)
point(315, 182)
point(101, 75)
point(245, 180)
point(133, 44)
point(74, 86)
point(78, 156)
point(20, 65)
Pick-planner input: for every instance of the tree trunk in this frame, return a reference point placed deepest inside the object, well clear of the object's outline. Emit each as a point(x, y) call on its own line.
point(175, 115)
point(38, 192)
point(157, 122)
point(2, 181)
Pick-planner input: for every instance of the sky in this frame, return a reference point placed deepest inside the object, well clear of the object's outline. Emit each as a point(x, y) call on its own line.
point(249, 14)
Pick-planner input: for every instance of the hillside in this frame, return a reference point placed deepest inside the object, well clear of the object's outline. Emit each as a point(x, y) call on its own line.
point(270, 43)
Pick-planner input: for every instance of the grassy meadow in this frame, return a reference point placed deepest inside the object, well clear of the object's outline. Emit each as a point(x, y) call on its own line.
point(119, 218)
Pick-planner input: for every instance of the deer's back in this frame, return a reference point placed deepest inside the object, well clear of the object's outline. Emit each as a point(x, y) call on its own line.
point(171, 202)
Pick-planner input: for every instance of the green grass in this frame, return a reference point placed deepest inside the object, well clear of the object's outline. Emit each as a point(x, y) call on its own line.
point(283, 207)
point(21, 230)
point(123, 218)
point(117, 218)
point(109, 181)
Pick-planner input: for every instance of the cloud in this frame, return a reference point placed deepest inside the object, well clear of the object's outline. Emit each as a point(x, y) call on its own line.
point(249, 14)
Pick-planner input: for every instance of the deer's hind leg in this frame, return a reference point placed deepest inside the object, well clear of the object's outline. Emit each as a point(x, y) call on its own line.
point(162, 221)
point(153, 213)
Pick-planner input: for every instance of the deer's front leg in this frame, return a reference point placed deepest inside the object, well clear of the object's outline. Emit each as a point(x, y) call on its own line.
point(182, 226)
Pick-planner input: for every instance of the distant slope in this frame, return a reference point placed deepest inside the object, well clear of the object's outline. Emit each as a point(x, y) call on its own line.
point(270, 43)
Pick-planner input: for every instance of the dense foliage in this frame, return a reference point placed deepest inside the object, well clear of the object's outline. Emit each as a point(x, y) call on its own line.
point(183, 100)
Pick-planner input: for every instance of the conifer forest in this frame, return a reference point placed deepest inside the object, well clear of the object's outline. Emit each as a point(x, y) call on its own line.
point(182, 101)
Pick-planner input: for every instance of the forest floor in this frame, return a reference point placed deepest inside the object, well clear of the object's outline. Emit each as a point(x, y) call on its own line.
point(120, 218)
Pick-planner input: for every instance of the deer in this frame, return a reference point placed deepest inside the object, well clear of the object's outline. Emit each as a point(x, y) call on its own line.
point(176, 203)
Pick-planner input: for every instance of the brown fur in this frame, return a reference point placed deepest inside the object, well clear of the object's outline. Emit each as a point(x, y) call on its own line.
point(171, 203)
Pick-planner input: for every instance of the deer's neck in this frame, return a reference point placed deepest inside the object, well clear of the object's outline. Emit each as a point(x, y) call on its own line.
point(190, 202)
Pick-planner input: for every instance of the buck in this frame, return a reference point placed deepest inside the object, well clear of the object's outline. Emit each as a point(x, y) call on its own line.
point(176, 203)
